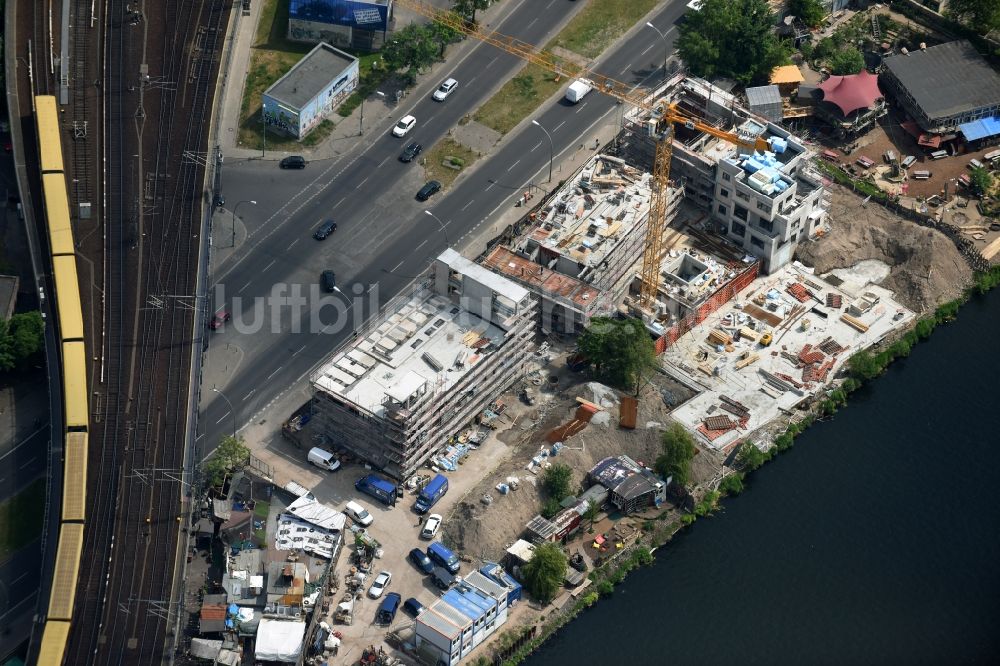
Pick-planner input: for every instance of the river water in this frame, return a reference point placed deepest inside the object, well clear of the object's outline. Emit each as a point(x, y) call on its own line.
point(874, 540)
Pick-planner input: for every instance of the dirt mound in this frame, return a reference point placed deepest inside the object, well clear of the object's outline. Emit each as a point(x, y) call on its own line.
point(927, 268)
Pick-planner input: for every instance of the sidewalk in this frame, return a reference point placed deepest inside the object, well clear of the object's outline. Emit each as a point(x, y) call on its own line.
point(346, 137)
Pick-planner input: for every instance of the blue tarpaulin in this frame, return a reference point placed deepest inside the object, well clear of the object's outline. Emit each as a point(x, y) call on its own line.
point(980, 129)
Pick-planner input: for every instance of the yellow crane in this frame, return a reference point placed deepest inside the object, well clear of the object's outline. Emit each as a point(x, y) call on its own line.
point(665, 115)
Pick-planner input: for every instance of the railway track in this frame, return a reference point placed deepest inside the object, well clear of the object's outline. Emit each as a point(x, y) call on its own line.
point(154, 207)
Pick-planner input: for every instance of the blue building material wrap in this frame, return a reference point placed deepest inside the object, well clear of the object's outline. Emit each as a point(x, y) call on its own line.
point(980, 129)
point(349, 13)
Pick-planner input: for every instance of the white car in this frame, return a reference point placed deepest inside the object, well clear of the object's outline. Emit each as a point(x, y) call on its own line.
point(378, 586)
point(403, 127)
point(431, 527)
point(359, 514)
point(446, 88)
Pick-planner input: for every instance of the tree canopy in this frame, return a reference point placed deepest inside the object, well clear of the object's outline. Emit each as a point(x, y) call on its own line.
point(731, 38)
point(678, 450)
point(810, 12)
point(847, 61)
point(231, 454)
point(468, 8)
point(980, 15)
point(543, 575)
point(21, 337)
point(980, 182)
point(557, 479)
point(621, 350)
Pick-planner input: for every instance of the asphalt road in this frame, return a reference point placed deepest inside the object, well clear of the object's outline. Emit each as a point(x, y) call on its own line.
point(18, 592)
point(384, 237)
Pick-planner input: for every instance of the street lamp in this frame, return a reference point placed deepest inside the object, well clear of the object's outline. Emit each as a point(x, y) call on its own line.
point(231, 410)
point(249, 201)
point(362, 127)
point(551, 149)
point(665, 46)
point(443, 229)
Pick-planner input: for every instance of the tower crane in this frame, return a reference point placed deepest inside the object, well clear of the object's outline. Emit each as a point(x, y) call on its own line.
point(664, 116)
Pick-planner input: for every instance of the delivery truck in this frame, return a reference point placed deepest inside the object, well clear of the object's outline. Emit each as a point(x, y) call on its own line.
point(578, 89)
point(431, 493)
point(382, 490)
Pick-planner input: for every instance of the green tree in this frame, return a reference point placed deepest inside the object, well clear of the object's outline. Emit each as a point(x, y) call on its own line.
point(732, 484)
point(21, 337)
point(544, 574)
point(980, 182)
point(980, 15)
point(590, 515)
point(230, 455)
point(847, 61)
point(468, 8)
point(557, 479)
point(824, 49)
point(810, 12)
point(678, 450)
point(750, 457)
point(621, 350)
point(863, 366)
point(732, 38)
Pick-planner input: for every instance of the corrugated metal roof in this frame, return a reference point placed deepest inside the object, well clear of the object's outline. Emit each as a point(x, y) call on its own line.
point(947, 79)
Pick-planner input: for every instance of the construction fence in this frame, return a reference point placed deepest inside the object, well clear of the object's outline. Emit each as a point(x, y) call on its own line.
point(720, 297)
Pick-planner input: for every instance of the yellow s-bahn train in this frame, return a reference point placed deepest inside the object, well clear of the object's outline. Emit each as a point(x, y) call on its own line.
point(69, 319)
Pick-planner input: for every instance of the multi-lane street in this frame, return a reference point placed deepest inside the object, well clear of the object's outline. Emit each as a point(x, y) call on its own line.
point(384, 237)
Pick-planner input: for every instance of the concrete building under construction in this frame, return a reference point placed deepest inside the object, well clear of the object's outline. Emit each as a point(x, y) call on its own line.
point(764, 202)
point(427, 367)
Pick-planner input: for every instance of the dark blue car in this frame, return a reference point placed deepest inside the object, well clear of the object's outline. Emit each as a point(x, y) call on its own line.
point(421, 561)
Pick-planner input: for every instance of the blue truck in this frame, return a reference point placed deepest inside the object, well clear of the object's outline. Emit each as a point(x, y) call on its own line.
point(374, 485)
point(431, 493)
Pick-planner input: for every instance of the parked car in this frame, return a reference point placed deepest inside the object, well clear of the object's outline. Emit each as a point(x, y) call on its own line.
point(325, 229)
point(430, 188)
point(410, 152)
point(404, 126)
point(413, 607)
point(359, 514)
point(379, 584)
point(442, 578)
point(323, 459)
point(293, 162)
point(441, 556)
point(431, 527)
point(445, 89)
point(387, 609)
point(328, 279)
point(219, 319)
point(421, 561)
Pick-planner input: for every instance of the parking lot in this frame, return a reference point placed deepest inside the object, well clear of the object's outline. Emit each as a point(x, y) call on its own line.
point(397, 529)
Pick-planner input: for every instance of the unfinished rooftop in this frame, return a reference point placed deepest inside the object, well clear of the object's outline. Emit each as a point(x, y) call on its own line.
point(428, 342)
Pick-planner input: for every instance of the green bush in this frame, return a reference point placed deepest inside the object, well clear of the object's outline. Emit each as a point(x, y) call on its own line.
point(550, 508)
point(732, 484)
point(688, 518)
point(604, 588)
point(642, 557)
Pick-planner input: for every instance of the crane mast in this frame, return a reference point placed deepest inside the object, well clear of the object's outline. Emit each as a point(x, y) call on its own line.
point(657, 223)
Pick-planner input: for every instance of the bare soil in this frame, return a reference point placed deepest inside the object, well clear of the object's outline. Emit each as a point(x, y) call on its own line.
point(927, 268)
point(485, 531)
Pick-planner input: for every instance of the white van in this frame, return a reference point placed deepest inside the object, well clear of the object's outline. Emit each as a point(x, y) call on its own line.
point(359, 514)
point(323, 459)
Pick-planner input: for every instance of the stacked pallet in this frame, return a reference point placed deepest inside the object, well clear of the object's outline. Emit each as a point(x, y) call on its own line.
point(854, 322)
point(800, 293)
point(717, 337)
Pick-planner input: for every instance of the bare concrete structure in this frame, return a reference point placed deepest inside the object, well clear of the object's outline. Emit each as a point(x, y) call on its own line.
point(431, 364)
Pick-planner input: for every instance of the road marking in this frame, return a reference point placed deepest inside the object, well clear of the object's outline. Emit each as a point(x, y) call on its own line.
point(339, 202)
point(422, 244)
point(298, 350)
point(468, 204)
point(394, 268)
point(224, 416)
point(29, 462)
point(384, 161)
point(19, 577)
point(252, 391)
point(627, 67)
point(24, 441)
point(487, 188)
point(273, 373)
point(559, 125)
point(293, 243)
point(532, 21)
point(580, 108)
point(364, 181)
point(530, 151)
point(270, 264)
point(513, 165)
point(647, 49)
point(490, 62)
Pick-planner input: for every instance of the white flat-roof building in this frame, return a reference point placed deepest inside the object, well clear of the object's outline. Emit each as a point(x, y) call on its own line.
point(466, 615)
point(428, 366)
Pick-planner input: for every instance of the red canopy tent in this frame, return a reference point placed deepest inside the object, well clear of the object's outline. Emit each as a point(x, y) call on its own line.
point(850, 93)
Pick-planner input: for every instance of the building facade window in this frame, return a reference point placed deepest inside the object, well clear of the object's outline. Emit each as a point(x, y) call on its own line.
point(738, 229)
point(725, 176)
point(756, 242)
point(723, 211)
point(741, 212)
point(763, 206)
point(724, 193)
point(766, 225)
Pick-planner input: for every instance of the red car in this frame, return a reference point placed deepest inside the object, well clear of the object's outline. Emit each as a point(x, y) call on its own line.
point(220, 318)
